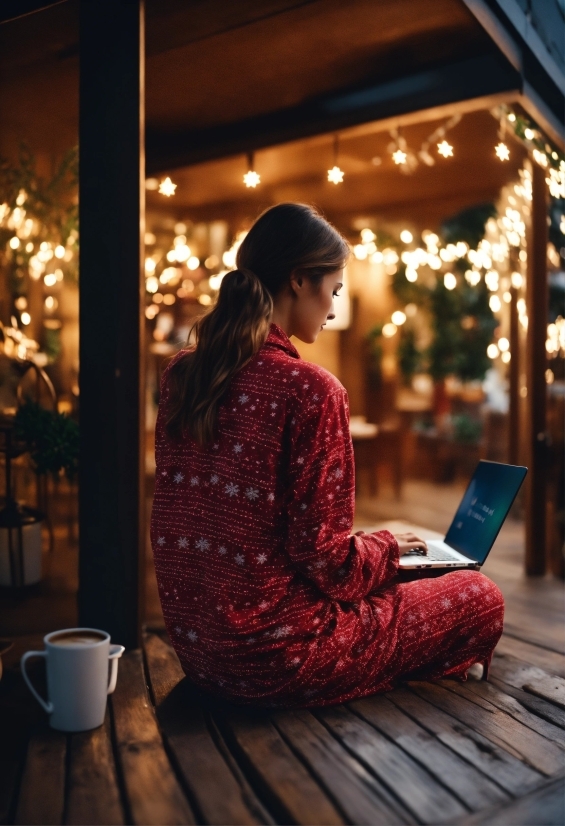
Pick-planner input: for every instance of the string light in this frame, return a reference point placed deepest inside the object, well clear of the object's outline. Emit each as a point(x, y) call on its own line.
point(449, 281)
point(251, 179)
point(167, 187)
point(502, 152)
point(335, 174)
point(389, 330)
point(406, 236)
point(398, 318)
point(444, 148)
point(399, 157)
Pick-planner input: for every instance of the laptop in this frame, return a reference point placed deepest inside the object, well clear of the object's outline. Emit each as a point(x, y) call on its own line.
point(476, 524)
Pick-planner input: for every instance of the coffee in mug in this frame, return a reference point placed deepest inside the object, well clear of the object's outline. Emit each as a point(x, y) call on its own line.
point(78, 681)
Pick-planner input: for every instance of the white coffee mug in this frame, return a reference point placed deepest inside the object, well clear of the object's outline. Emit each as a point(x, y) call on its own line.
point(77, 677)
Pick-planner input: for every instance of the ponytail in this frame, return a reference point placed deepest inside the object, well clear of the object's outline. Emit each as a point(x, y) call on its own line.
point(286, 238)
point(226, 339)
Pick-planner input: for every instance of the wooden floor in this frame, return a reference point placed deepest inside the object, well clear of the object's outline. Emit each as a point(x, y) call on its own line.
point(491, 753)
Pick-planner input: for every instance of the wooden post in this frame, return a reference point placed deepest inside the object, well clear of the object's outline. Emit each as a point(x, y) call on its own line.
point(537, 304)
point(111, 191)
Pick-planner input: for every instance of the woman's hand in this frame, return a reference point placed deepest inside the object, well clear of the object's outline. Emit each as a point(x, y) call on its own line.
point(410, 542)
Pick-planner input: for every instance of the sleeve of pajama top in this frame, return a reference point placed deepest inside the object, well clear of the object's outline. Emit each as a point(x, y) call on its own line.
point(321, 506)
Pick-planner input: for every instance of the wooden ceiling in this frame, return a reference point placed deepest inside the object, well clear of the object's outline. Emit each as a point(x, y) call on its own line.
point(212, 64)
point(373, 185)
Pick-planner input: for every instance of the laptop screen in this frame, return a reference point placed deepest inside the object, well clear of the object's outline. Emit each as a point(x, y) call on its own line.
point(483, 508)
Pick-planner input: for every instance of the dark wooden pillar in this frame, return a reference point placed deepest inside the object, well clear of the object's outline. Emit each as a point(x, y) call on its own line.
point(536, 363)
point(112, 163)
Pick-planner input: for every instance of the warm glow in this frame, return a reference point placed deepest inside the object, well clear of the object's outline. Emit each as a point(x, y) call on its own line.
point(506, 357)
point(389, 330)
point(181, 253)
point(449, 281)
point(151, 184)
point(215, 280)
point(399, 157)
point(472, 277)
point(411, 274)
point(193, 263)
point(251, 179)
point(507, 297)
point(26, 318)
point(151, 285)
point(491, 280)
point(495, 303)
point(335, 175)
point(205, 299)
point(503, 345)
point(150, 265)
point(516, 280)
point(149, 239)
point(406, 236)
point(50, 280)
point(50, 303)
point(166, 187)
point(211, 262)
point(360, 252)
point(444, 148)
point(367, 235)
point(59, 251)
point(169, 298)
point(529, 134)
point(398, 318)
point(502, 152)
point(21, 302)
point(151, 311)
point(549, 376)
point(492, 351)
point(14, 242)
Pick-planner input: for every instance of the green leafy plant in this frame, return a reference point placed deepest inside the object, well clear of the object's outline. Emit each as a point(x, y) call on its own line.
point(466, 429)
point(51, 438)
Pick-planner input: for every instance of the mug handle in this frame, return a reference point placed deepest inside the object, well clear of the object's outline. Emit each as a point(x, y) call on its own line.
point(116, 652)
point(43, 703)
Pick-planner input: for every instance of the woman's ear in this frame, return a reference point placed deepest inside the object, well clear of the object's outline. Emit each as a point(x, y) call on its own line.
point(296, 283)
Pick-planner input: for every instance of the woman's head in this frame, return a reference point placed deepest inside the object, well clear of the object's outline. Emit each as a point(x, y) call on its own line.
point(288, 268)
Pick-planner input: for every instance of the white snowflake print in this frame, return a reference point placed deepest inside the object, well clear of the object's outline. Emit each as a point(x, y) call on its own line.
point(202, 544)
point(253, 407)
point(161, 541)
point(263, 605)
point(231, 489)
point(239, 558)
point(338, 474)
point(178, 629)
point(300, 460)
point(282, 631)
point(251, 640)
point(192, 636)
point(261, 558)
point(178, 477)
point(243, 684)
point(252, 494)
point(222, 550)
point(216, 446)
point(273, 405)
point(243, 398)
point(163, 473)
point(218, 607)
point(315, 397)
point(295, 661)
point(305, 386)
point(310, 692)
point(194, 480)
point(303, 506)
point(295, 373)
point(476, 589)
point(321, 563)
point(271, 497)
point(446, 603)
point(214, 479)
point(237, 449)
point(183, 542)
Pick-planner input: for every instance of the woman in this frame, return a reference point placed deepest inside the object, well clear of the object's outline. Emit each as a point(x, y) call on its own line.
point(266, 596)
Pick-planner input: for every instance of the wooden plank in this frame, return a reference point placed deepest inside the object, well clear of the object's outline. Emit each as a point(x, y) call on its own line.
point(360, 795)
point(42, 792)
point(529, 654)
point(153, 793)
point(545, 805)
point(471, 786)
point(513, 707)
point(93, 796)
point(503, 768)
point(112, 374)
point(537, 706)
point(288, 789)
point(419, 791)
point(548, 688)
point(201, 763)
point(518, 674)
point(497, 727)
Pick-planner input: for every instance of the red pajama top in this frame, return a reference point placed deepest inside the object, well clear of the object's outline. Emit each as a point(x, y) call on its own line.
point(265, 592)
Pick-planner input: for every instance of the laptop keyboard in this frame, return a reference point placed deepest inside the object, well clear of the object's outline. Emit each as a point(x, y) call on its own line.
point(433, 555)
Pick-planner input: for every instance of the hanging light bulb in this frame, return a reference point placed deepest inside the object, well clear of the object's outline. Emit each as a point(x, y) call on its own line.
point(444, 148)
point(167, 187)
point(502, 152)
point(251, 179)
point(335, 174)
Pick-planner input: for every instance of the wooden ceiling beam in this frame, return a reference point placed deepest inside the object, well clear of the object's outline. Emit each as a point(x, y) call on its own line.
point(439, 86)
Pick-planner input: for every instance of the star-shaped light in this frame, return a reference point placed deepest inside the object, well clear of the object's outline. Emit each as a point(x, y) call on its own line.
point(251, 179)
point(444, 148)
point(502, 152)
point(335, 175)
point(399, 157)
point(167, 187)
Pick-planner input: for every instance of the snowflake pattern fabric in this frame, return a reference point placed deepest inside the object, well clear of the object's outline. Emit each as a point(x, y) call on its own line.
point(267, 597)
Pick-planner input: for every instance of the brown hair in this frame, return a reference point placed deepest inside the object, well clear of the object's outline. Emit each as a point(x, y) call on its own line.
point(285, 239)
